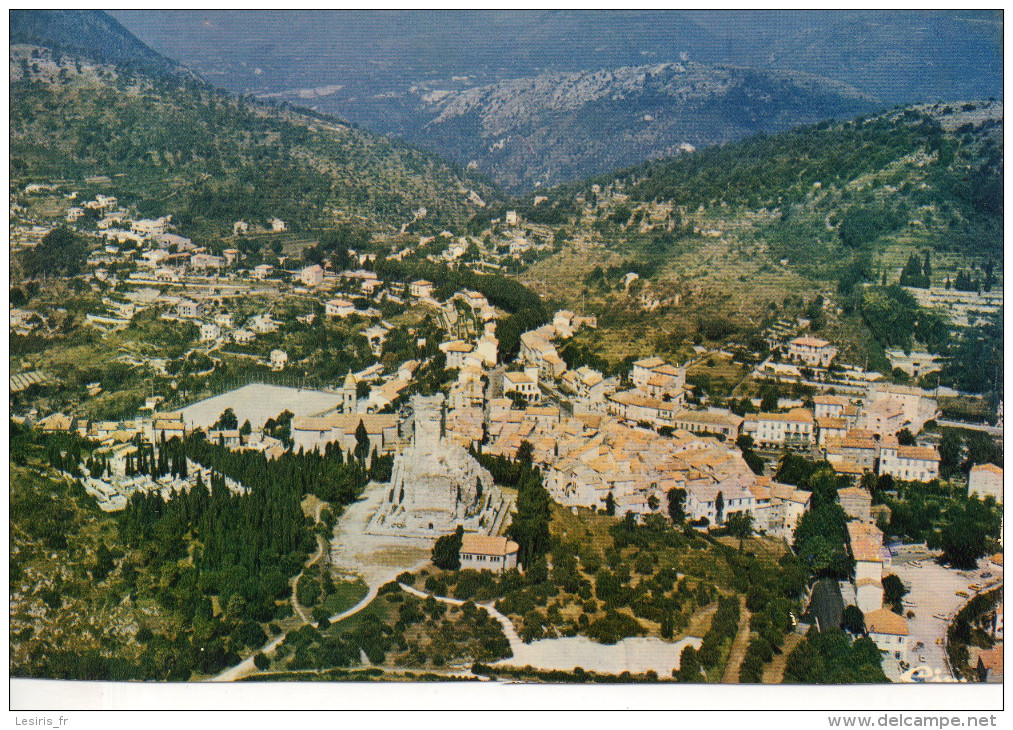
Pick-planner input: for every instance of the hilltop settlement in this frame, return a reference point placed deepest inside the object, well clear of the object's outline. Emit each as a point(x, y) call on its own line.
point(274, 419)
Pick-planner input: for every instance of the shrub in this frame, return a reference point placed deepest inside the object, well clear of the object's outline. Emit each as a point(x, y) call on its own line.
point(613, 627)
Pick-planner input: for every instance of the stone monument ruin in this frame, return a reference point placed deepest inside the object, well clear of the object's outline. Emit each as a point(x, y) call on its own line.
point(437, 485)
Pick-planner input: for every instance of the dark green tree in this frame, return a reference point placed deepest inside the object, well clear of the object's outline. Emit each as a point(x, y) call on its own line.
point(361, 442)
point(740, 525)
point(447, 550)
point(853, 620)
point(894, 592)
point(677, 505)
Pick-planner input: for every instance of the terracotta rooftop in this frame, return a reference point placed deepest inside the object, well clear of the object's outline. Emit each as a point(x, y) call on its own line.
point(991, 659)
point(830, 400)
point(922, 453)
point(847, 467)
point(832, 422)
point(667, 369)
point(518, 378)
point(997, 470)
point(810, 342)
point(885, 621)
point(487, 545)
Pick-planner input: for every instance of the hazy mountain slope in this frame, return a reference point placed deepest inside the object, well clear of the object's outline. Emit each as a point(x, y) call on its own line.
point(898, 56)
point(564, 126)
point(173, 145)
point(91, 34)
point(539, 97)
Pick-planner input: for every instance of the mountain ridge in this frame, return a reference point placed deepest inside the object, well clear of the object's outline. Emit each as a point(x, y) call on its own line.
point(538, 131)
point(92, 33)
point(172, 144)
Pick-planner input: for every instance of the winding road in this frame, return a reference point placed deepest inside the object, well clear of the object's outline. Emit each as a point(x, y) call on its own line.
point(507, 625)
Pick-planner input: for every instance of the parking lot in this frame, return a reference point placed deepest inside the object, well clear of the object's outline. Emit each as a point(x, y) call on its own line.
point(933, 598)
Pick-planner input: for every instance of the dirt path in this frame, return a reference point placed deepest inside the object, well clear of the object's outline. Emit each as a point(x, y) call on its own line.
point(739, 644)
point(508, 628)
point(299, 609)
point(773, 673)
point(376, 561)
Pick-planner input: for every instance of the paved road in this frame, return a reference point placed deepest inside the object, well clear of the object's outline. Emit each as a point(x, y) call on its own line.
point(932, 591)
point(991, 430)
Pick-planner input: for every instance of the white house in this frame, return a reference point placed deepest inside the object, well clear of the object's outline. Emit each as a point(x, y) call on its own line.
point(339, 308)
point(488, 348)
point(703, 500)
point(421, 288)
point(262, 271)
point(918, 406)
point(312, 275)
point(812, 351)
point(985, 480)
point(189, 309)
point(866, 542)
point(642, 370)
point(277, 225)
point(525, 383)
point(456, 352)
point(279, 358)
point(829, 406)
point(909, 463)
point(633, 405)
point(209, 332)
point(793, 429)
point(262, 324)
point(538, 350)
point(243, 337)
point(147, 227)
point(787, 505)
point(205, 261)
point(153, 258)
point(488, 552)
point(712, 420)
point(889, 631)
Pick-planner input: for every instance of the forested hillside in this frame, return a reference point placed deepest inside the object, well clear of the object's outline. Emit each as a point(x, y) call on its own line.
point(822, 222)
point(167, 588)
point(171, 144)
point(863, 179)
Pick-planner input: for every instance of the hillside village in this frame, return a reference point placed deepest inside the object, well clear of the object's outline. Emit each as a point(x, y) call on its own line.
point(405, 449)
point(625, 445)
